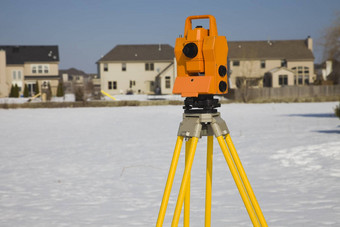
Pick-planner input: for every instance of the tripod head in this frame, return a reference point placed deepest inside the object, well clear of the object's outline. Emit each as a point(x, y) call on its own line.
point(201, 57)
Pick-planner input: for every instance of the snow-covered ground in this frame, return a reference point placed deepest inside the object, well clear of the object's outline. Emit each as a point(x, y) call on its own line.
point(108, 166)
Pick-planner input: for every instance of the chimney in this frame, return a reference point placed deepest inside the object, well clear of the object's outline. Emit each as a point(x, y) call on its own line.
point(309, 43)
point(3, 79)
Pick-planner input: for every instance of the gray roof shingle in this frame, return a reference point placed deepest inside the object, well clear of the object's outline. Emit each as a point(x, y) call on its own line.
point(22, 54)
point(280, 49)
point(146, 52)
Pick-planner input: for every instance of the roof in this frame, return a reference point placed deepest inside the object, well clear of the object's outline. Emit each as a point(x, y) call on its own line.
point(279, 49)
point(146, 52)
point(21, 54)
point(72, 71)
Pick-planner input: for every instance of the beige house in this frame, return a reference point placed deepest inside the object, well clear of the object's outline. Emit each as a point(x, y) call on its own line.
point(279, 77)
point(250, 61)
point(26, 65)
point(138, 69)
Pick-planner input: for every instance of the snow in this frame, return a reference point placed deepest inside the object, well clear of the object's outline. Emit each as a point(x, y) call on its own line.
point(108, 166)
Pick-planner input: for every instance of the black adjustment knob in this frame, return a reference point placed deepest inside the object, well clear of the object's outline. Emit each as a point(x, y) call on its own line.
point(222, 70)
point(190, 50)
point(222, 86)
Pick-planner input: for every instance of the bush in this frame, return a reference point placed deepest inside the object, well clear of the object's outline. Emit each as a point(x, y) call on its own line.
point(79, 94)
point(36, 90)
point(11, 94)
point(16, 92)
point(60, 89)
point(26, 93)
point(337, 111)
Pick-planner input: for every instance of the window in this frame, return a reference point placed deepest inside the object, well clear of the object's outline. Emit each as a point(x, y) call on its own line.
point(149, 67)
point(283, 63)
point(167, 82)
point(301, 75)
point(123, 66)
point(306, 79)
point(16, 75)
point(236, 63)
point(263, 64)
point(106, 68)
point(40, 68)
point(31, 88)
point(112, 85)
point(283, 80)
point(132, 83)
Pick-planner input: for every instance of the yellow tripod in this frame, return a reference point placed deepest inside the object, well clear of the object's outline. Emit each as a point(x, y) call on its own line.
point(193, 127)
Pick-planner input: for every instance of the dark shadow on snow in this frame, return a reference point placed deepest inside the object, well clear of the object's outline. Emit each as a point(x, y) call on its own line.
point(329, 131)
point(322, 115)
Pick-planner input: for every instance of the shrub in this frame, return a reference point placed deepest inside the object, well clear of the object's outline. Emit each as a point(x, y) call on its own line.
point(11, 94)
point(26, 94)
point(60, 89)
point(337, 111)
point(79, 94)
point(36, 89)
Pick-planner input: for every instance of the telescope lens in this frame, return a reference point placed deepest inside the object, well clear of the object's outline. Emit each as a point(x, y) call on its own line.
point(222, 70)
point(190, 50)
point(222, 86)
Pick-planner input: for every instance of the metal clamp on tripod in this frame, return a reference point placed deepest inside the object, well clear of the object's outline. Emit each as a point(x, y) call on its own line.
point(201, 67)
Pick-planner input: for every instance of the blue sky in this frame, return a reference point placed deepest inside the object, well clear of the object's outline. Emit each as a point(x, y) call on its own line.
point(85, 30)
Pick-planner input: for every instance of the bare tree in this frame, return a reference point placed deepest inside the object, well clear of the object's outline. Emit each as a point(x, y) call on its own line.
point(332, 40)
point(332, 49)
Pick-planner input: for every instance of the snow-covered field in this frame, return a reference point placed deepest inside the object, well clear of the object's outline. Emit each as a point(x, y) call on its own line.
point(108, 166)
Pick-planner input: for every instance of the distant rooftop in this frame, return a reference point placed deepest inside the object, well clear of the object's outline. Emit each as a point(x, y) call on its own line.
point(275, 49)
point(147, 52)
point(72, 71)
point(22, 54)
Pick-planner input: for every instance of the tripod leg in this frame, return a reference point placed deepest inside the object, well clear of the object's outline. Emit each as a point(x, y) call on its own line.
point(184, 183)
point(245, 180)
point(238, 181)
point(186, 218)
point(209, 181)
point(169, 181)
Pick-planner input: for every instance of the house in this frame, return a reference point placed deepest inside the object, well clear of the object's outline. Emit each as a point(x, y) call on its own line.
point(278, 77)
point(27, 65)
point(141, 69)
point(73, 78)
point(250, 61)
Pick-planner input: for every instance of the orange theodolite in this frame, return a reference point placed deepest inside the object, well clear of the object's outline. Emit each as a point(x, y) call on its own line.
point(201, 57)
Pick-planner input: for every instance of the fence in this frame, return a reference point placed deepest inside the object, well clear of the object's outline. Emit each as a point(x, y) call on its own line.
point(288, 93)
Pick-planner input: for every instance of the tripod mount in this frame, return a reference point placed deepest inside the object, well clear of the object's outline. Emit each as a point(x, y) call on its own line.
point(201, 119)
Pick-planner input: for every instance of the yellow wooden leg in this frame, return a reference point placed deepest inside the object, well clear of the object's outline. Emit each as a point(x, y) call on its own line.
point(184, 184)
point(209, 181)
point(238, 181)
point(186, 218)
point(245, 180)
point(169, 181)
